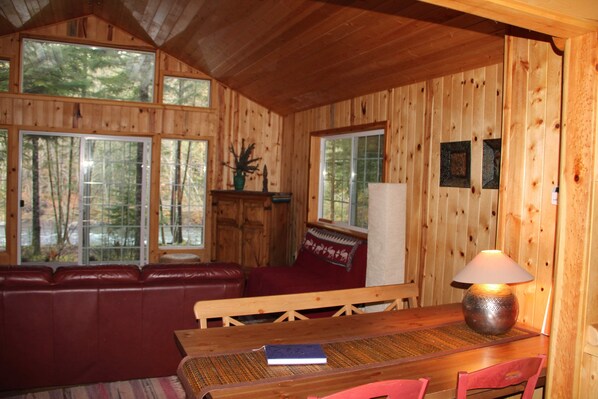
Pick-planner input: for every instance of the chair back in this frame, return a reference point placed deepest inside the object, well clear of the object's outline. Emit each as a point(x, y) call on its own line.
point(503, 375)
point(292, 306)
point(391, 389)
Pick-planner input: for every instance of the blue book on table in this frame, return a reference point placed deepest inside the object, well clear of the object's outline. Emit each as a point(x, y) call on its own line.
point(295, 354)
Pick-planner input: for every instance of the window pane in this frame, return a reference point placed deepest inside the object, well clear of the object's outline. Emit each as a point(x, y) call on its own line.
point(75, 70)
point(4, 70)
point(3, 190)
point(337, 174)
point(49, 191)
point(349, 164)
point(183, 192)
point(185, 91)
point(114, 211)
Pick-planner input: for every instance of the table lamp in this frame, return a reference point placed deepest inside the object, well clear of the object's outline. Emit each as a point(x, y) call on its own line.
point(489, 305)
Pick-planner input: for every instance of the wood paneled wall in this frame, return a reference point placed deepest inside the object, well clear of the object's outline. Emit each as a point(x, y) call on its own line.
point(460, 221)
point(231, 118)
point(530, 165)
point(448, 226)
point(445, 226)
point(570, 372)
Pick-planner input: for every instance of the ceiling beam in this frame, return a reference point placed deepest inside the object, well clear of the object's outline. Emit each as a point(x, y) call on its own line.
point(555, 18)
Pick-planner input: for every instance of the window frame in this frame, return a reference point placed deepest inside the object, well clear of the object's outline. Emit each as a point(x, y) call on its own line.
point(315, 171)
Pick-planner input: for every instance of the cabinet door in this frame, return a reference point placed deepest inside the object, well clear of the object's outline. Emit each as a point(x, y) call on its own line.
point(227, 231)
point(227, 245)
point(228, 212)
point(254, 213)
point(254, 251)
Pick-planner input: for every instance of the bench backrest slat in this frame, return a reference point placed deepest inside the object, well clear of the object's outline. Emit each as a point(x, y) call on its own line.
point(291, 305)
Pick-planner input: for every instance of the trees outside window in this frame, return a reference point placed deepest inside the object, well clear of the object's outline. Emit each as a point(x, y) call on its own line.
point(77, 70)
point(183, 168)
point(84, 199)
point(186, 91)
point(4, 75)
point(348, 162)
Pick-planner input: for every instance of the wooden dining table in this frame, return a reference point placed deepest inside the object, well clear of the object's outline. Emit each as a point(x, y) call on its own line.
point(442, 368)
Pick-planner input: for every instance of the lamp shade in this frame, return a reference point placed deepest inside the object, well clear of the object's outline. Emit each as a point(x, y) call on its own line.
point(492, 267)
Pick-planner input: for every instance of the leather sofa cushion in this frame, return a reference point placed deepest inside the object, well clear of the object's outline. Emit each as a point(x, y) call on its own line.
point(181, 272)
point(25, 276)
point(96, 275)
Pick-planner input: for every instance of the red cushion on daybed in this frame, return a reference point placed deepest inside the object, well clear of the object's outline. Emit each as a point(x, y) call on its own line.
point(310, 272)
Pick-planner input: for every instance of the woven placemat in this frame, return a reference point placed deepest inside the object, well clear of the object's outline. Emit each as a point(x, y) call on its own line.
point(200, 375)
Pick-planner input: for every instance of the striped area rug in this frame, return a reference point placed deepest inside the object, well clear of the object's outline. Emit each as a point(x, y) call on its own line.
point(151, 388)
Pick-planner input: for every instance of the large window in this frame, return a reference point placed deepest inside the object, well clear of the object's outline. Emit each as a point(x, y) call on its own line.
point(348, 162)
point(3, 191)
point(186, 91)
point(183, 168)
point(4, 74)
point(77, 70)
point(84, 199)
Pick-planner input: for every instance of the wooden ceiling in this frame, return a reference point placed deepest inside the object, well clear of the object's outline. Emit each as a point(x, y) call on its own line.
point(291, 55)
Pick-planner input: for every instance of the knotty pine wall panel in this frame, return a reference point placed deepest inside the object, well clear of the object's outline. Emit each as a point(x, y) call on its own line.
point(446, 226)
point(89, 28)
point(231, 118)
point(531, 142)
point(463, 107)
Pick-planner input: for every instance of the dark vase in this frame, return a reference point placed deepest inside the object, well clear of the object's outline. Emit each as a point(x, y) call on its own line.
point(239, 182)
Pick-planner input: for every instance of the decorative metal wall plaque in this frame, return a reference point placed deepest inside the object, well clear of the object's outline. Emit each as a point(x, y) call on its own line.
point(491, 164)
point(455, 164)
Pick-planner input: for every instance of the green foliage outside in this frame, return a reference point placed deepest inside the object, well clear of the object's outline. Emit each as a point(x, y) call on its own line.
point(49, 191)
point(349, 165)
point(183, 168)
point(101, 214)
point(74, 70)
point(185, 91)
point(91, 203)
point(4, 74)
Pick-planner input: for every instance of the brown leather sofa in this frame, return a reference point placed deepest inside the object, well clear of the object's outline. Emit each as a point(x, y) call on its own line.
point(85, 324)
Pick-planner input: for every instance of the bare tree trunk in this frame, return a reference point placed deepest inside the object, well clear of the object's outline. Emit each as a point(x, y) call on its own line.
point(69, 194)
point(181, 193)
point(175, 206)
point(35, 218)
point(162, 236)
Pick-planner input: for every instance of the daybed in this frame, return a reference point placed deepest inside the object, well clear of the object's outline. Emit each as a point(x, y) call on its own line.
point(325, 261)
point(87, 324)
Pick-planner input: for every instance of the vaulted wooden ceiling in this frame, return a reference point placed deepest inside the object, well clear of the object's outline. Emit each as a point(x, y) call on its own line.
point(291, 55)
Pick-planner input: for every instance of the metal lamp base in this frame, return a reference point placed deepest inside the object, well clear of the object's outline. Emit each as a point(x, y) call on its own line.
point(490, 308)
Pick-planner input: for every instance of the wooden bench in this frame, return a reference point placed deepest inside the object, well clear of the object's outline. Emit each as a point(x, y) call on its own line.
point(292, 305)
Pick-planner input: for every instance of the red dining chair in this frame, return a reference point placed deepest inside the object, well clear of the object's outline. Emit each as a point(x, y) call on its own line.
point(502, 375)
point(390, 389)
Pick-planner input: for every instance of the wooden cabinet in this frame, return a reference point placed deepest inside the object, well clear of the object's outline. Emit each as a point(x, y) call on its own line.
point(250, 227)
